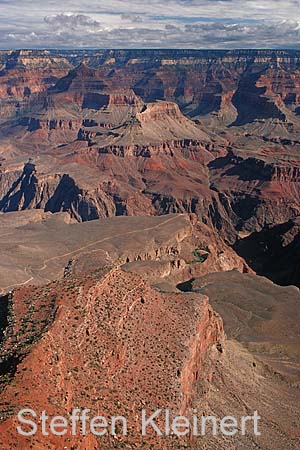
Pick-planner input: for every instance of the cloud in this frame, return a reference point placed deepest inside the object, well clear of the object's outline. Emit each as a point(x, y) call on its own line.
point(71, 21)
point(132, 18)
point(171, 23)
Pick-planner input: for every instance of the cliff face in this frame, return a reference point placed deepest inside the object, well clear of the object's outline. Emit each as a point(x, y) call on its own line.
point(274, 252)
point(136, 190)
point(54, 193)
point(236, 194)
point(260, 359)
point(24, 75)
point(158, 111)
point(255, 191)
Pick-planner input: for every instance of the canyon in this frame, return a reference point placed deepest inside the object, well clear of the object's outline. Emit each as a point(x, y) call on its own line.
point(149, 201)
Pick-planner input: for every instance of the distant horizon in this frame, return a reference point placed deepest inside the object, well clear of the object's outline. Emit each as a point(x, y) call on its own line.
point(160, 49)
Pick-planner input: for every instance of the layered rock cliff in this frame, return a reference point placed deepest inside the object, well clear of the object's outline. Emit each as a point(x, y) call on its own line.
point(201, 82)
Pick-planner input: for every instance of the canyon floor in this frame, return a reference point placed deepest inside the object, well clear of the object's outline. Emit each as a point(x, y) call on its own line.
point(149, 235)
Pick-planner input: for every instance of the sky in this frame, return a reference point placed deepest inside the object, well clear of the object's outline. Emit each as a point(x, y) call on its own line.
point(220, 24)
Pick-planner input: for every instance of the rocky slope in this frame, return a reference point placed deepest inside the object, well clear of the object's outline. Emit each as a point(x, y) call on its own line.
point(107, 308)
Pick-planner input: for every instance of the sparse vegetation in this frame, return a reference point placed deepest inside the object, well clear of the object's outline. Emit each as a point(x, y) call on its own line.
point(200, 255)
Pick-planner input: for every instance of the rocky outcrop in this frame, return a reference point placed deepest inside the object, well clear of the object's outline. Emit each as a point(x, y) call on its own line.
point(158, 111)
point(34, 124)
point(139, 329)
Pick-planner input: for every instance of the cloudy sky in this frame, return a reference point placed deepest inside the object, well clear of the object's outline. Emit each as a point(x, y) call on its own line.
point(149, 24)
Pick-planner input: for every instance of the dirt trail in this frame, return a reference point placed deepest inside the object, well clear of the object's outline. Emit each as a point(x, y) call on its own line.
point(73, 252)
